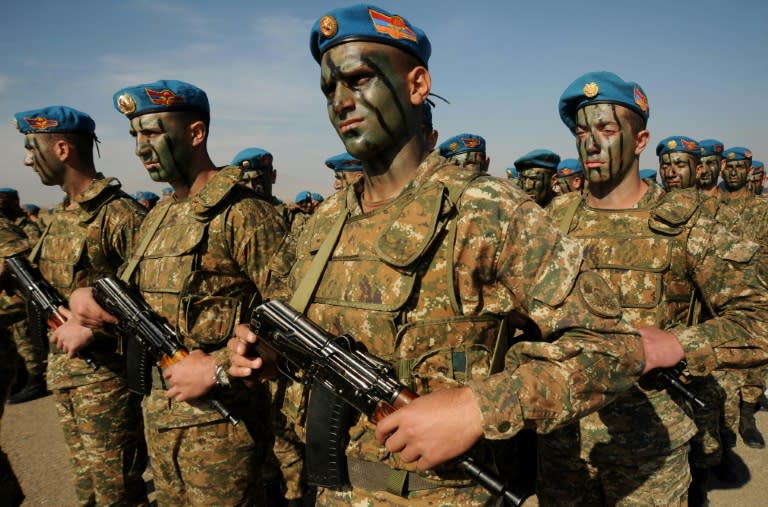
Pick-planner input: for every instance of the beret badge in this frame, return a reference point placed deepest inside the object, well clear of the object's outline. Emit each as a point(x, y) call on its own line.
point(126, 104)
point(590, 89)
point(328, 26)
point(454, 146)
point(246, 164)
point(731, 156)
point(672, 144)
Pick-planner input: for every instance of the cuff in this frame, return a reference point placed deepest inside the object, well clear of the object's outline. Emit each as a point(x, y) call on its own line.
point(699, 353)
point(502, 415)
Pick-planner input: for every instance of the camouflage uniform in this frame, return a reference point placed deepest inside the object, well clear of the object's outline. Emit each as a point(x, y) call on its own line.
point(657, 253)
point(12, 242)
point(101, 424)
point(203, 270)
point(424, 282)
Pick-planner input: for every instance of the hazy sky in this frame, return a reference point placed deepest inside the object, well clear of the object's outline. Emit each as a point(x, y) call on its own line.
point(502, 65)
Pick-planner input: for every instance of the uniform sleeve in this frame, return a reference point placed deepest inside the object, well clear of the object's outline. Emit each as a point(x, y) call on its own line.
point(587, 354)
point(123, 223)
point(729, 273)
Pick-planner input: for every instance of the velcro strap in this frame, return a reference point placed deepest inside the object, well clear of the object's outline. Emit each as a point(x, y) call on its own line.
point(374, 476)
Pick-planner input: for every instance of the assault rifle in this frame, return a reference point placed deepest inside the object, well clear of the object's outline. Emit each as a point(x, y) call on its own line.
point(340, 365)
point(671, 376)
point(43, 302)
point(139, 321)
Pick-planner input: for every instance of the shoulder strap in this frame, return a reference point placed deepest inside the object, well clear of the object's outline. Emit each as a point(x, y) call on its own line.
point(570, 212)
point(145, 239)
point(36, 249)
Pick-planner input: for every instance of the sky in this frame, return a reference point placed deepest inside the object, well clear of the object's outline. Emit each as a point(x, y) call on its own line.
point(502, 65)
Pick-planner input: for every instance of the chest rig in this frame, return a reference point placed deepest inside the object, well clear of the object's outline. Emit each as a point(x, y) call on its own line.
point(642, 252)
point(189, 274)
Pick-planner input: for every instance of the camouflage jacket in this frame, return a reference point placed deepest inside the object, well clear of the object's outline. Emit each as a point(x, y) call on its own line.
point(85, 242)
point(203, 270)
point(30, 228)
point(656, 254)
point(13, 241)
point(753, 213)
point(424, 282)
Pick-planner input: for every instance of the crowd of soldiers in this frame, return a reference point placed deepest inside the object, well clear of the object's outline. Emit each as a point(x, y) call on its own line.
point(534, 309)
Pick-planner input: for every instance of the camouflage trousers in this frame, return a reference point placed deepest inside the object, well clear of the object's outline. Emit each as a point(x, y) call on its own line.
point(753, 384)
point(101, 425)
point(739, 385)
point(648, 481)
point(206, 465)
point(473, 496)
point(706, 445)
point(33, 354)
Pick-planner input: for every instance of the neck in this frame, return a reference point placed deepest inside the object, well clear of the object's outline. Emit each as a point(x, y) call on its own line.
point(622, 195)
point(741, 193)
point(204, 170)
point(77, 180)
point(385, 177)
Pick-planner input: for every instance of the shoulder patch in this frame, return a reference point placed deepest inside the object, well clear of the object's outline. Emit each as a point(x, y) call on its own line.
point(676, 207)
point(598, 296)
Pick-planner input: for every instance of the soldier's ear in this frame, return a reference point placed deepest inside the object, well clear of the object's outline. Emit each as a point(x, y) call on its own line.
point(419, 84)
point(62, 149)
point(197, 131)
point(641, 141)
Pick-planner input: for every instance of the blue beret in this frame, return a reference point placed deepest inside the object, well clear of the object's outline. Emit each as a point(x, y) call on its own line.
point(648, 174)
point(737, 153)
point(598, 88)
point(538, 158)
point(512, 172)
point(147, 196)
point(251, 155)
point(31, 208)
point(673, 144)
point(344, 162)
point(168, 190)
point(164, 95)
point(757, 167)
point(304, 196)
point(367, 23)
point(462, 143)
point(711, 147)
point(9, 190)
point(317, 197)
point(54, 119)
point(569, 166)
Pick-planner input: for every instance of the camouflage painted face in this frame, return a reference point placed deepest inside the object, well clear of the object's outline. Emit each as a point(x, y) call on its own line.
point(572, 183)
point(40, 157)
point(755, 182)
point(343, 179)
point(678, 169)
point(537, 182)
point(605, 142)
point(261, 178)
point(367, 98)
point(473, 160)
point(710, 168)
point(735, 173)
point(161, 146)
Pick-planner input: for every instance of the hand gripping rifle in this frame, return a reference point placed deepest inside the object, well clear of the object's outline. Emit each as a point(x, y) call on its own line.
point(139, 321)
point(340, 365)
point(43, 302)
point(671, 377)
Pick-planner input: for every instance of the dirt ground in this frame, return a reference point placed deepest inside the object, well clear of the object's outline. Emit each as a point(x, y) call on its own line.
point(33, 440)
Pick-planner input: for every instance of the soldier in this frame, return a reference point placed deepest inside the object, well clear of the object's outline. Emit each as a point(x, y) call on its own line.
point(657, 249)
point(89, 235)
point(33, 212)
point(13, 241)
point(433, 308)
point(679, 161)
point(147, 199)
point(536, 171)
point(300, 211)
point(201, 263)
point(260, 175)
point(648, 174)
point(756, 177)
point(513, 175)
point(346, 170)
point(711, 160)
point(570, 176)
point(466, 150)
point(166, 193)
point(317, 200)
point(30, 377)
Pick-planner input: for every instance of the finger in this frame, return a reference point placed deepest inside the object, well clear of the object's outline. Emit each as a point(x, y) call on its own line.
point(240, 371)
point(65, 312)
point(386, 427)
point(172, 392)
point(409, 455)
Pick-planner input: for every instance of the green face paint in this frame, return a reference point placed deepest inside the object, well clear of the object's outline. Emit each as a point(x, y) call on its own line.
point(41, 159)
point(735, 174)
point(710, 170)
point(604, 142)
point(537, 183)
point(161, 147)
point(678, 169)
point(367, 99)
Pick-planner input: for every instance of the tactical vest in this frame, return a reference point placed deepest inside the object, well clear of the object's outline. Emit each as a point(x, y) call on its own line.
point(391, 283)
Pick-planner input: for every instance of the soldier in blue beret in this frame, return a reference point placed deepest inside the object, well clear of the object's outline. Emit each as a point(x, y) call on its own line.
point(32, 211)
point(88, 235)
point(317, 199)
point(756, 177)
point(640, 236)
point(570, 176)
point(679, 161)
point(213, 238)
point(466, 150)
point(147, 199)
point(346, 170)
point(166, 193)
point(512, 174)
point(735, 169)
point(711, 161)
point(501, 255)
point(648, 174)
point(537, 170)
